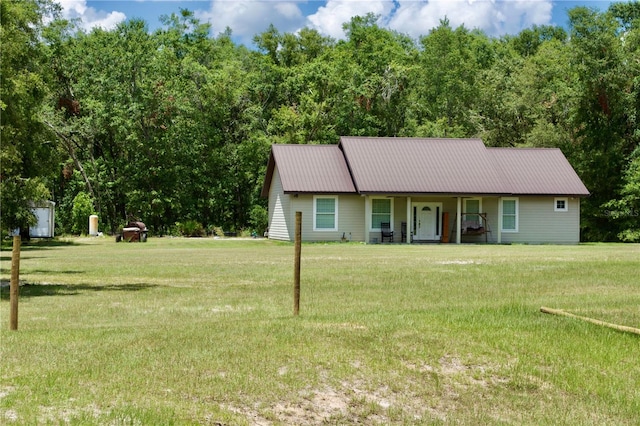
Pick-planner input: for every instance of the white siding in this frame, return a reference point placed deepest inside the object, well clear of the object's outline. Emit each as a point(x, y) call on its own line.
point(280, 220)
point(45, 226)
point(539, 223)
point(350, 218)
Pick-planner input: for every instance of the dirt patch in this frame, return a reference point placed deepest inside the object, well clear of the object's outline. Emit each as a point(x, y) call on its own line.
point(460, 262)
point(360, 402)
point(347, 404)
point(8, 415)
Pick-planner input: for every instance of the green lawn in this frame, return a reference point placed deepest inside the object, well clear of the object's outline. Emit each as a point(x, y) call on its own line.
point(201, 331)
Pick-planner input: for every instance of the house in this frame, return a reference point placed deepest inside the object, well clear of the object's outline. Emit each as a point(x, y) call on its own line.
point(427, 190)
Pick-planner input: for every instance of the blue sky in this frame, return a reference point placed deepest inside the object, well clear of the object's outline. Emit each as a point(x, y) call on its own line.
point(413, 17)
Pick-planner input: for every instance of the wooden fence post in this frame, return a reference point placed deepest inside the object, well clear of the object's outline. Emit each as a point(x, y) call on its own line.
point(15, 283)
point(296, 267)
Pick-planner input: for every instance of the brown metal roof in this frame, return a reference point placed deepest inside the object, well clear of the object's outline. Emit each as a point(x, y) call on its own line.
point(309, 169)
point(538, 171)
point(422, 165)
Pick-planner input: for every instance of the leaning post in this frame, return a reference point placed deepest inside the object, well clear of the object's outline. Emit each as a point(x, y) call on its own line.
point(296, 267)
point(15, 283)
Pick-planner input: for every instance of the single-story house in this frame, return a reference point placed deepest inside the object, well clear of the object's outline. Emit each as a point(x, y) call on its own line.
point(423, 190)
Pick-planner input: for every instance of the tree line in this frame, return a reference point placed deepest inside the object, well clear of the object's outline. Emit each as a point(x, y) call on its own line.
point(173, 127)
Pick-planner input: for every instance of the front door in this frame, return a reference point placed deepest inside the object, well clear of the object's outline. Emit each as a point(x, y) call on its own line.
point(426, 221)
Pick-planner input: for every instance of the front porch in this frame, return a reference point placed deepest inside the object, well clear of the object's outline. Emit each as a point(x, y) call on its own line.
point(423, 220)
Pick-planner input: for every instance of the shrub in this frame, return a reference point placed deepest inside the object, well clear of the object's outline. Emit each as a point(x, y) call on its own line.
point(190, 228)
point(215, 231)
point(80, 212)
point(259, 219)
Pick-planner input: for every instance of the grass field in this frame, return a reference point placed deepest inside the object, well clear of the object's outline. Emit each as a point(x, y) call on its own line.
point(201, 331)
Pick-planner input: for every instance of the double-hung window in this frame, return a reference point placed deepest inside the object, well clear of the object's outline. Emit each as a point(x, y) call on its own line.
point(325, 213)
point(381, 212)
point(509, 215)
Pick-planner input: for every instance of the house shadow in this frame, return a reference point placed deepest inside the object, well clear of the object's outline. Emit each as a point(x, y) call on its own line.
point(37, 290)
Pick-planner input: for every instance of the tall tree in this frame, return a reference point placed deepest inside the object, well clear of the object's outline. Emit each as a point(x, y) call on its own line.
point(528, 41)
point(601, 115)
point(451, 61)
point(373, 67)
point(624, 210)
point(27, 158)
point(102, 115)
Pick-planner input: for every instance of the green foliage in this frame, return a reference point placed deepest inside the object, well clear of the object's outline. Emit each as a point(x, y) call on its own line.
point(530, 39)
point(17, 198)
point(215, 231)
point(626, 210)
point(80, 212)
point(604, 117)
point(259, 219)
point(178, 124)
point(448, 77)
point(27, 158)
point(190, 228)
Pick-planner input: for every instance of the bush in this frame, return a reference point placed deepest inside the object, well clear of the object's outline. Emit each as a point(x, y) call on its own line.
point(80, 212)
point(215, 231)
point(190, 228)
point(259, 219)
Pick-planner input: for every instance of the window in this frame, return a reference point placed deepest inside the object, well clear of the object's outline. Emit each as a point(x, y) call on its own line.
point(381, 211)
point(561, 205)
point(325, 213)
point(510, 215)
point(472, 208)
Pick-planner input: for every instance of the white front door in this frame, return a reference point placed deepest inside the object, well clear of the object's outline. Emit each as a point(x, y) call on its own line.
point(427, 221)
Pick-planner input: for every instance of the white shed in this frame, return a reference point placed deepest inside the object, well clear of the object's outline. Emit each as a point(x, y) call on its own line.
point(45, 213)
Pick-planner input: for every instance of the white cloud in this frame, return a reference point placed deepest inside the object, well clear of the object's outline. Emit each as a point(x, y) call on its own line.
point(328, 20)
point(247, 18)
point(89, 16)
point(417, 17)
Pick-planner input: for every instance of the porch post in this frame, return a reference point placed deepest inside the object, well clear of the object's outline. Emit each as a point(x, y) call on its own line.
point(409, 221)
point(458, 220)
point(499, 220)
point(367, 219)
